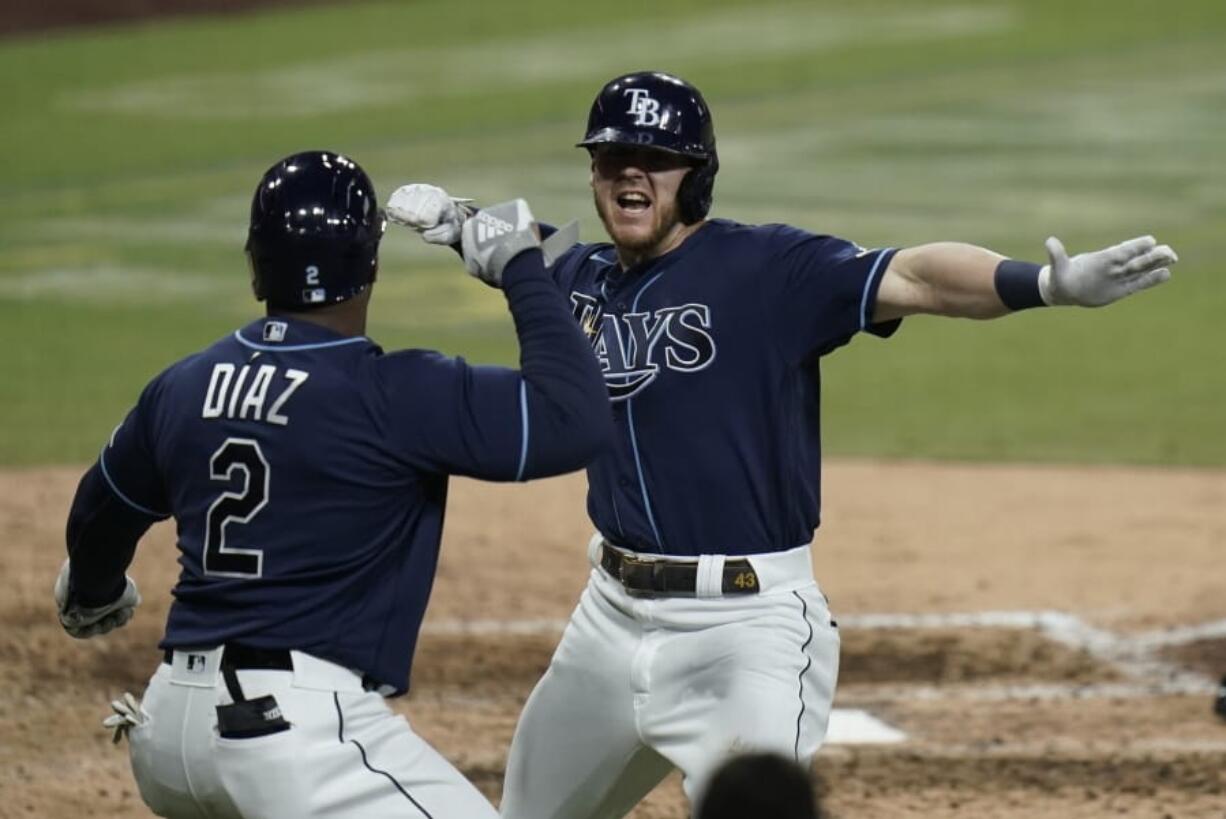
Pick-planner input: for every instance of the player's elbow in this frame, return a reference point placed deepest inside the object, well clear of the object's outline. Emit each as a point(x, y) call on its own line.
point(591, 434)
point(569, 438)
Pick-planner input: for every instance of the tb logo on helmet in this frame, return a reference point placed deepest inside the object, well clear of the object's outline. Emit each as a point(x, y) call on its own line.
point(645, 109)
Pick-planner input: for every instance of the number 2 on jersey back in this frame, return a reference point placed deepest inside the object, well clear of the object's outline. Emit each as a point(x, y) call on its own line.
point(241, 455)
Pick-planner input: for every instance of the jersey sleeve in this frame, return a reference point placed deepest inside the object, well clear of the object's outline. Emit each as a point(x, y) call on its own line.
point(127, 462)
point(549, 417)
point(824, 290)
point(447, 416)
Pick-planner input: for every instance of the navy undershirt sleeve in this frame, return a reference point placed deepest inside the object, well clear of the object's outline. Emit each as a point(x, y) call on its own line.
point(495, 423)
point(569, 418)
point(102, 535)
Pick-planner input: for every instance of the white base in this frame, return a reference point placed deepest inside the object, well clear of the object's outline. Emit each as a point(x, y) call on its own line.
point(853, 726)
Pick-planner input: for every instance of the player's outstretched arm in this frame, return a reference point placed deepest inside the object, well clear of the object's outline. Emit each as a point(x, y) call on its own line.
point(952, 279)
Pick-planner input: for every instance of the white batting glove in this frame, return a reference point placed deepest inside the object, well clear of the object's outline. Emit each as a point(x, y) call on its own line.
point(128, 714)
point(81, 621)
point(429, 210)
point(496, 235)
point(1103, 276)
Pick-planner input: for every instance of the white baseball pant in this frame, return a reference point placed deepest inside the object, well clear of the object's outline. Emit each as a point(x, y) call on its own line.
point(640, 685)
point(347, 753)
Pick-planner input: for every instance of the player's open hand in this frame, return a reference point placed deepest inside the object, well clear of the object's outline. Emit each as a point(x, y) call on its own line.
point(429, 210)
point(81, 621)
point(1103, 276)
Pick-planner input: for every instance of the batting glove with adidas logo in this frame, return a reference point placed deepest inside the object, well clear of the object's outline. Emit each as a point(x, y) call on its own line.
point(496, 235)
point(429, 210)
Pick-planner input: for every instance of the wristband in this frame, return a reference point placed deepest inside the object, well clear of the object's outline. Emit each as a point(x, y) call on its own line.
point(1017, 284)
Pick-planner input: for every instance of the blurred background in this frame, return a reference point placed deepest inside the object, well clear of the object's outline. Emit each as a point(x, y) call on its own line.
point(131, 142)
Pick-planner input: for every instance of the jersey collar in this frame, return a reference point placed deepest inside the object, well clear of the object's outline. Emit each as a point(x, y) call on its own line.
point(617, 276)
point(273, 333)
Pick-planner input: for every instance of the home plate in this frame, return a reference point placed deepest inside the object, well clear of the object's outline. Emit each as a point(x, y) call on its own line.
point(853, 726)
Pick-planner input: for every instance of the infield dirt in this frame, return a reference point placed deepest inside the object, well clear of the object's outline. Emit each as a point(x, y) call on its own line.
point(1089, 712)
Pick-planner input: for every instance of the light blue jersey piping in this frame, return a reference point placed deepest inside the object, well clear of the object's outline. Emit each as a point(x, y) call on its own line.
point(634, 444)
point(272, 348)
point(868, 286)
point(523, 414)
point(121, 495)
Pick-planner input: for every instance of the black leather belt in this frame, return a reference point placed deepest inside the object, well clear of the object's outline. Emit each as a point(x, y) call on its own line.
point(659, 576)
point(240, 657)
point(246, 658)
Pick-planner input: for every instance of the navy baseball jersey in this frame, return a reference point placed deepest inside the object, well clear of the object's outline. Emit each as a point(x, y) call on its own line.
point(710, 355)
point(307, 473)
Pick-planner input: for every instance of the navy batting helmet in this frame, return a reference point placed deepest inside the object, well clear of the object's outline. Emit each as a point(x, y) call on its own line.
point(657, 110)
point(315, 231)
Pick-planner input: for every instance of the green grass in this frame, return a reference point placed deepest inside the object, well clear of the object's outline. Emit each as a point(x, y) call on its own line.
point(128, 153)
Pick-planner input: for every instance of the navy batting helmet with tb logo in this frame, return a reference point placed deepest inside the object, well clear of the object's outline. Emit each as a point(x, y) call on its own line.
point(652, 109)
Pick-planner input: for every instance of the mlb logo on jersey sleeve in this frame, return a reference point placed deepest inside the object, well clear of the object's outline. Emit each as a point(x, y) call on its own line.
point(275, 331)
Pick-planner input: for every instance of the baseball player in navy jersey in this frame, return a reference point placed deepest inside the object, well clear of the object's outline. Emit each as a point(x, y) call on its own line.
point(702, 632)
point(307, 472)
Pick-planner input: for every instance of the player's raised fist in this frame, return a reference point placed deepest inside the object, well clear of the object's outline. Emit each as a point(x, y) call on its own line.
point(429, 210)
point(1100, 277)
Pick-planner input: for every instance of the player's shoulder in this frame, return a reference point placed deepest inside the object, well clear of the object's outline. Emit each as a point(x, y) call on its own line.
point(183, 367)
point(415, 368)
point(783, 240)
point(224, 348)
point(774, 233)
point(582, 257)
point(723, 233)
point(189, 369)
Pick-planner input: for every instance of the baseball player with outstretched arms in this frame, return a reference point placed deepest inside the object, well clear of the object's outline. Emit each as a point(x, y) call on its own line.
point(702, 632)
point(307, 472)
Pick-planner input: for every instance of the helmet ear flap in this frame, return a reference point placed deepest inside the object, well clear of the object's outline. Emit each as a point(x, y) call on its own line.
point(697, 191)
point(257, 281)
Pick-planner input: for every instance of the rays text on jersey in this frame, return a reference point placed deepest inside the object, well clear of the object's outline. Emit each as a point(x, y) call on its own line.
point(632, 347)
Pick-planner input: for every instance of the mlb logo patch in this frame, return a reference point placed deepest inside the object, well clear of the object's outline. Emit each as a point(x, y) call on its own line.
point(275, 331)
point(196, 663)
point(315, 296)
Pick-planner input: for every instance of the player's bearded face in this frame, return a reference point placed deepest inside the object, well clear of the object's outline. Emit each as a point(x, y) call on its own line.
point(635, 190)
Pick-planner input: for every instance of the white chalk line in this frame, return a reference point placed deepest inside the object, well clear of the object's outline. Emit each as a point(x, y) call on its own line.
point(1054, 752)
point(866, 694)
